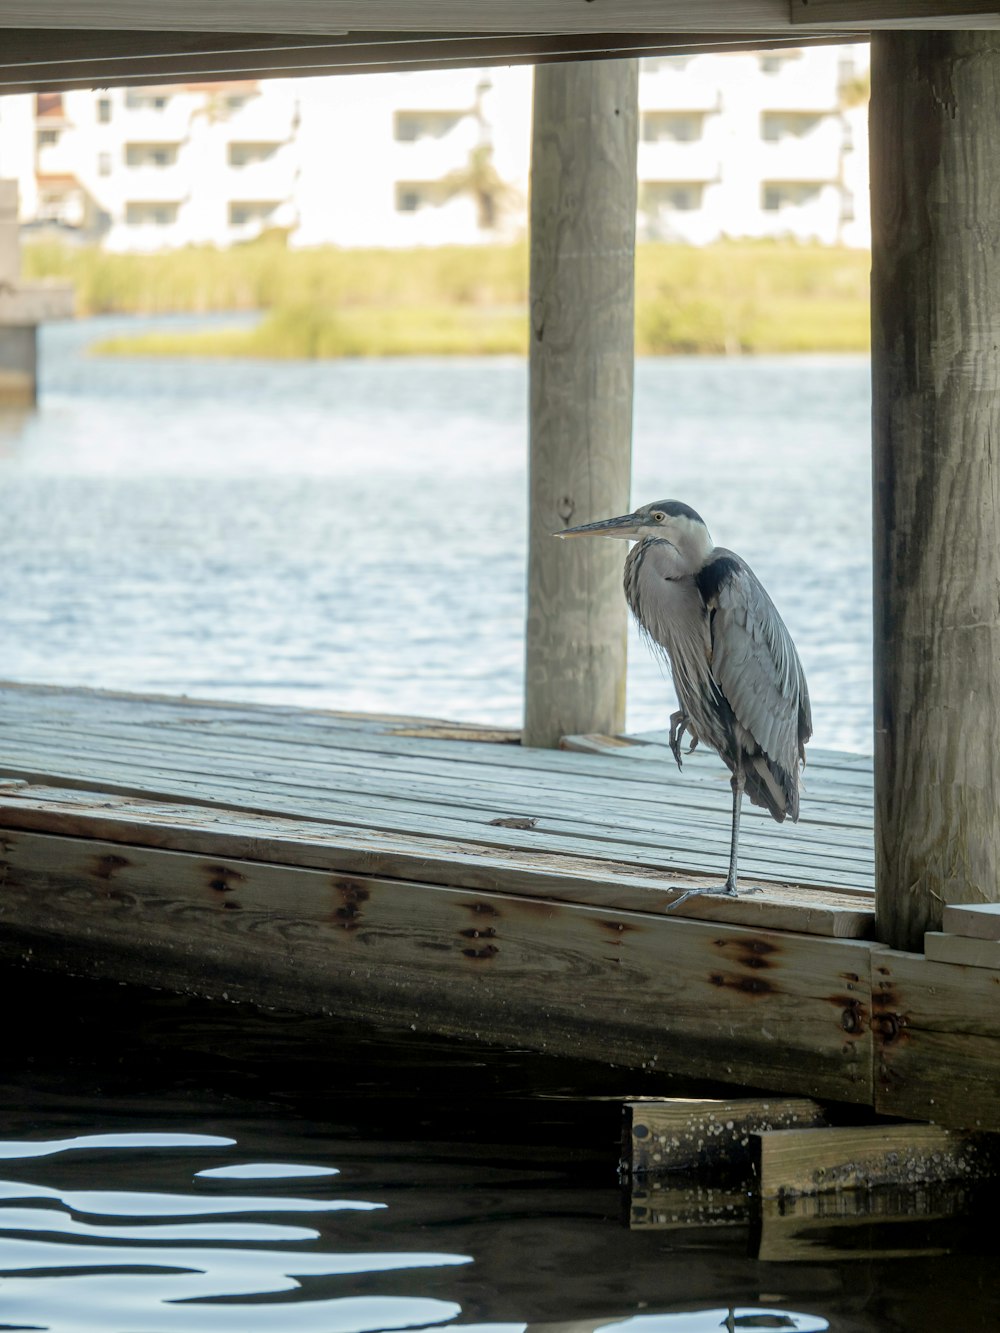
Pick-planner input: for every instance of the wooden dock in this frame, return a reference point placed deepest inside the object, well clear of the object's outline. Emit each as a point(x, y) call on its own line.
point(440, 877)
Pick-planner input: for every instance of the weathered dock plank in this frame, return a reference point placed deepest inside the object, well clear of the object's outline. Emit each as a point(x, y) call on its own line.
point(322, 766)
point(542, 873)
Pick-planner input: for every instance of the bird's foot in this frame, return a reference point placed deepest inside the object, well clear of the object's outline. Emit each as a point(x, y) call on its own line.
point(726, 890)
point(678, 726)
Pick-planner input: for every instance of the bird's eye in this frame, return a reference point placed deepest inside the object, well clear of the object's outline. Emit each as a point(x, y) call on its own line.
point(659, 516)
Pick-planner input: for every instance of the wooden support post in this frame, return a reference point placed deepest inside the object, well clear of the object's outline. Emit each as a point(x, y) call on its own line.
point(583, 198)
point(936, 404)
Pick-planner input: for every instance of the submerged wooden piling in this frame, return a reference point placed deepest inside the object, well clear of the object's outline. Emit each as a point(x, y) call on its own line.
point(936, 402)
point(583, 199)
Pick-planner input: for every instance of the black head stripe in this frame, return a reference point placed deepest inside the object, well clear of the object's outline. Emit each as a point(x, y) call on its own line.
point(677, 509)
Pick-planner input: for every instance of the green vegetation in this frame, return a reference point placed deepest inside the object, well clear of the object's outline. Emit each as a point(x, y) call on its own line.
point(730, 297)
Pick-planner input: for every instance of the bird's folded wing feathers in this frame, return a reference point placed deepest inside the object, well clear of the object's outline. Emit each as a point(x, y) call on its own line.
point(756, 666)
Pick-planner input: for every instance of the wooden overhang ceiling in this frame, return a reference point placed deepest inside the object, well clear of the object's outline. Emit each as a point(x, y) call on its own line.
point(62, 44)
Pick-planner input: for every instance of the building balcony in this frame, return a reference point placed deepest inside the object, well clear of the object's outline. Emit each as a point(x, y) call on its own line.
point(58, 159)
point(169, 124)
point(669, 86)
point(798, 87)
point(155, 183)
point(814, 158)
point(272, 179)
point(668, 160)
point(263, 119)
point(430, 159)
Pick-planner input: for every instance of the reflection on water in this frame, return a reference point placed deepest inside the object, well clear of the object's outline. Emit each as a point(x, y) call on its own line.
point(351, 534)
point(170, 1166)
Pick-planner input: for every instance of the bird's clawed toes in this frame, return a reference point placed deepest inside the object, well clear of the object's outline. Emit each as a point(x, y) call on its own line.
point(717, 890)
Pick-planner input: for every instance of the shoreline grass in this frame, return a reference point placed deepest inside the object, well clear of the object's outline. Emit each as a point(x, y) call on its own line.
point(733, 297)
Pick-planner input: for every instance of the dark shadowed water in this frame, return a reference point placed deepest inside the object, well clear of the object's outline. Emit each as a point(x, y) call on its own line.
point(169, 1165)
point(351, 534)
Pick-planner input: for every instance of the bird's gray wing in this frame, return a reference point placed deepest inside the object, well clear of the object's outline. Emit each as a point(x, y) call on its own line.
point(754, 661)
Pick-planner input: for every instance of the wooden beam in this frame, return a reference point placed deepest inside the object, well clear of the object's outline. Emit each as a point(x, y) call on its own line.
point(792, 1162)
point(526, 16)
point(937, 1040)
point(53, 59)
point(684, 1133)
point(332, 16)
point(936, 402)
point(897, 13)
point(629, 988)
point(582, 310)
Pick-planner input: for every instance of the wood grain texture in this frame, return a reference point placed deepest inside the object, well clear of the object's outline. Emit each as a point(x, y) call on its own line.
point(705, 1134)
point(978, 921)
point(582, 313)
point(937, 1040)
point(962, 949)
point(632, 988)
point(791, 1162)
point(936, 403)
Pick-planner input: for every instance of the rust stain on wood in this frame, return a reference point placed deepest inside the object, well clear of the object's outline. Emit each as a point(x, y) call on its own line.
point(487, 952)
point(222, 879)
point(353, 894)
point(106, 866)
point(752, 986)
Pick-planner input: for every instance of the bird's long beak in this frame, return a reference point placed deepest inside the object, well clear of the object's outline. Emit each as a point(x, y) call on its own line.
point(626, 525)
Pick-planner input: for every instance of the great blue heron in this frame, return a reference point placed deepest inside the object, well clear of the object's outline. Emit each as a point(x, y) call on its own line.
point(738, 678)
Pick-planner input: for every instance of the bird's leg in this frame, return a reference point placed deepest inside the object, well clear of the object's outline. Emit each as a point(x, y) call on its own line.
point(737, 782)
point(678, 725)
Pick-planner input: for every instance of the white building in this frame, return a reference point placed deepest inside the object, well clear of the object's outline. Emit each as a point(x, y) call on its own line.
point(742, 145)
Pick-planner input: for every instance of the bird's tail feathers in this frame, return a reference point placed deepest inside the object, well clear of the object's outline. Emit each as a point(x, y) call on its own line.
point(769, 786)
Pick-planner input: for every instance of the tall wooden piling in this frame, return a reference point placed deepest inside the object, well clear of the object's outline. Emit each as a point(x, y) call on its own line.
point(936, 422)
point(583, 198)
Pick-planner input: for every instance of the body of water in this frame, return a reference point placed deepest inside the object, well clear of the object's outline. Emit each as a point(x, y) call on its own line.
point(352, 534)
point(172, 1166)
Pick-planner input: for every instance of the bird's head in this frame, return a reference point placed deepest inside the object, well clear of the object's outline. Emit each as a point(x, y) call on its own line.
point(669, 521)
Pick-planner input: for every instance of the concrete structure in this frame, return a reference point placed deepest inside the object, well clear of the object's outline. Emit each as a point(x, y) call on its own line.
point(23, 306)
point(745, 144)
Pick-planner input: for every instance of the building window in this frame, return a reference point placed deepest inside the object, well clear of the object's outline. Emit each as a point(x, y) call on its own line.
point(104, 110)
point(246, 154)
point(778, 125)
point(245, 211)
point(150, 215)
point(150, 154)
point(44, 137)
point(776, 195)
point(146, 99)
point(676, 196)
point(104, 164)
point(409, 126)
point(237, 101)
point(671, 126)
